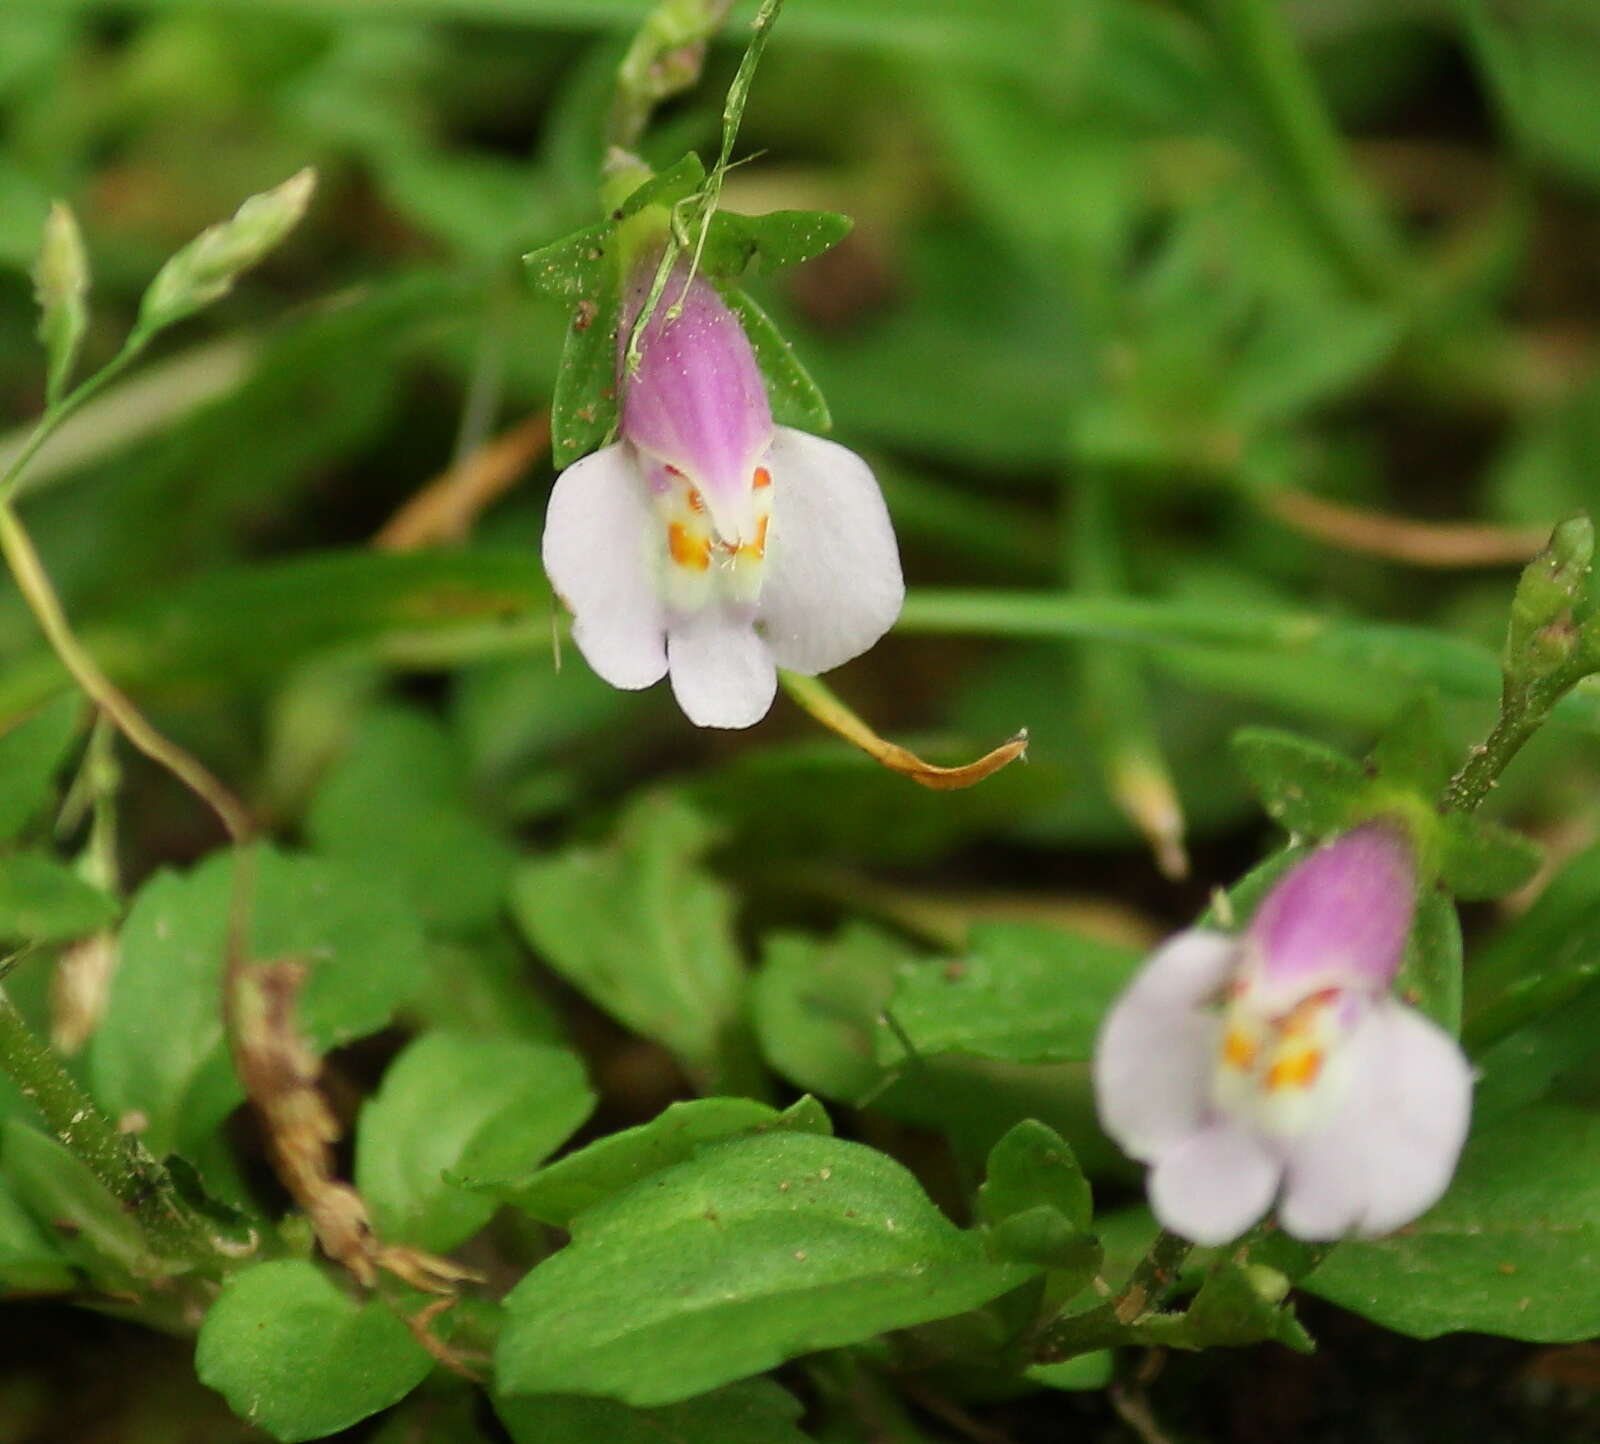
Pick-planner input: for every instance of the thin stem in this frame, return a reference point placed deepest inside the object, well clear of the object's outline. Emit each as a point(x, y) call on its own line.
point(1523, 711)
point(118, 1160)
point(35, 585)
point(51, 421)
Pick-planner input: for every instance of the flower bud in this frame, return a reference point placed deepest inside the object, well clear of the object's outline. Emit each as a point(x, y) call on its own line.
point(205, 270)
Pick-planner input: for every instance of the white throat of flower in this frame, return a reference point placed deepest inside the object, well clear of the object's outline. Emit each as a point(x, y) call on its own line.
point(1280, 1068)
point(707, 554)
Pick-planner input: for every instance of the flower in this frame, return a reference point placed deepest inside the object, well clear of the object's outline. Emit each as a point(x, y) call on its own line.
point(708, 543)
point(1277, 1065)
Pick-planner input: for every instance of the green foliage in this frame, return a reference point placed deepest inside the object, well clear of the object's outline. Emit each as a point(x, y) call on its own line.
point(44, 901)
point(642, 929)
point(456, 1112)
point(753, 1251)
point(1499, 1254)
point(425, 837)
point(561, 1191)
point(1021, 993)
point(297, 1356)
point(1100, 247)
point(160, 1050)
point(30, 753)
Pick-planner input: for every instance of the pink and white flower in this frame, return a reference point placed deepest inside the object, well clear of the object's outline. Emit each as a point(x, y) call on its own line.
point(1276, 1066)
point(709, 544)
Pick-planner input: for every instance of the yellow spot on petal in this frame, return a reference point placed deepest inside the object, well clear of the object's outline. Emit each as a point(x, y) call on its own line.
point(688, 550)
point(1238, 1050)
point(1298, 1070)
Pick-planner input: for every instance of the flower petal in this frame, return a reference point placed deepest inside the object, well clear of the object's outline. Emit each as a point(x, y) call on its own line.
point(1339, 917)
point(1389, 1151)
point(722, 672)
point(833, 583)
point(599, 553)
point(1157, 1047)
point(1213, 1186)
point(697, 401)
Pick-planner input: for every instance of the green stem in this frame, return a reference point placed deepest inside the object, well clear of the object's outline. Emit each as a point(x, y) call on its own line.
point(118, 1160)
point(1117, 1320)
point(51, 421)
point(1524, 710)
point(1304, 146)
point(664, 59)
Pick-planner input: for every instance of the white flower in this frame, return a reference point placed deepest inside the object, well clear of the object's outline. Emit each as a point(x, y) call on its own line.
point(1275, 1065)
point(709, 544)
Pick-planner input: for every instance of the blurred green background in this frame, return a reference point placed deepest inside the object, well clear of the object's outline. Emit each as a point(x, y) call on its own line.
point(1143, 298)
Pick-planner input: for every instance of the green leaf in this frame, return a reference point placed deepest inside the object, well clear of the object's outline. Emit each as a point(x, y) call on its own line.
point(247, 624)
point(572, 268)
point(755, 1250)
point(1536, 963)
point(300, 1358)
point(160, 1050)
point(1034, 1165)
point(1087, 1371)
point(30, 1261)
point(396, 806)
point(771, 241)
point(583, 407)
point(677, 182)
point(45, 901)
point(755, 1411)
point(1528, 1064)
point(1308, 789)
point(817, 1005)
point(1478, 860)
point(1507, 1250)
point(92, 1229)
point(560, 1192)
point(456, 1108)
point(1539, 57)
point(641, 929)
point(1430, 973)
point(796, 399)
point(1046, 1238)
point(61, 288)
point(1022, 992)
point(1414, 751)
point(31, 752)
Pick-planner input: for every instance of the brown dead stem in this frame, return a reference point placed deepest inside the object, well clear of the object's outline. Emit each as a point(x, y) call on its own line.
point(446, 508)
point(1403, 539)
point(815, 698)
point(282, 1077)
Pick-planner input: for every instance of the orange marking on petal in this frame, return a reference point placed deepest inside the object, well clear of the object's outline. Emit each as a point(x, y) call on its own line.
point(762, 478)
point(688, 550)
point(758, 548)
point(697, 503)
point(1299, 1070)
point(1238, 1050)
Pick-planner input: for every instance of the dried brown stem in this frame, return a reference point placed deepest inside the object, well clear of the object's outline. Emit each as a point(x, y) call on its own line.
point(445, 510)
point(1404, 539)
point(827, 709)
